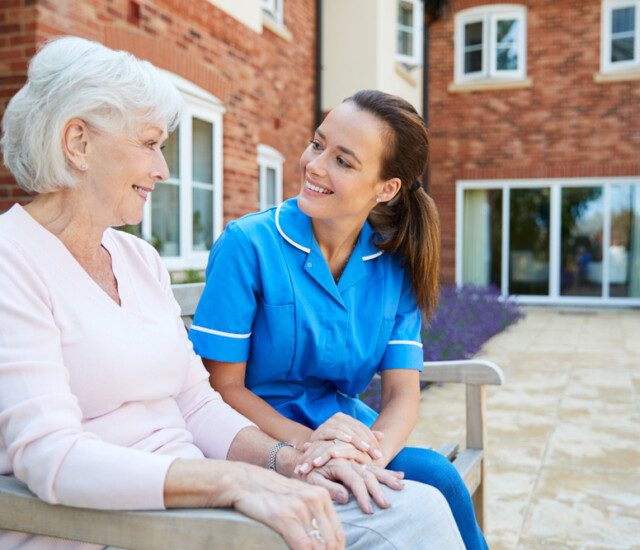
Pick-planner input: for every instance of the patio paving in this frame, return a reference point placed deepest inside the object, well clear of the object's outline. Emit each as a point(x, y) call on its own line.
point(563, 432)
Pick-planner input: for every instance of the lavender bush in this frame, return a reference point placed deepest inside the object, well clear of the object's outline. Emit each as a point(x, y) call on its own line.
point(466, 317)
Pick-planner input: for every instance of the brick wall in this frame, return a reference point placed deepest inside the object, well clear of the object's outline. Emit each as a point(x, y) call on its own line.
point(564, 125)
point(17, 44)
point(266, 83)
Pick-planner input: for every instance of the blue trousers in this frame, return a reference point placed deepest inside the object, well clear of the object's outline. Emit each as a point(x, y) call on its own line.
point(432, 468)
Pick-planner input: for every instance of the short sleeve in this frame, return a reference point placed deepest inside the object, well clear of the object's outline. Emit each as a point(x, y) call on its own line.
point(222, 324)
point(404, 348)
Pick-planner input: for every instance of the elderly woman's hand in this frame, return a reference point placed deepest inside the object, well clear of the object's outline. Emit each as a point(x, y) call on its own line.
point(301, 513)
point(364, 481)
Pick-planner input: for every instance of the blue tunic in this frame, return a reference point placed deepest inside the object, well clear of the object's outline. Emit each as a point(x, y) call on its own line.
point(311, 346)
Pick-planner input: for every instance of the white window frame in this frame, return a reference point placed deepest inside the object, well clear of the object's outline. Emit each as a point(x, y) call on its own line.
point(489, 16)
point(606, 66)
point(268, 157)
point(416, 58)
point(205, 106)
point(555, 186)
point(273, 8)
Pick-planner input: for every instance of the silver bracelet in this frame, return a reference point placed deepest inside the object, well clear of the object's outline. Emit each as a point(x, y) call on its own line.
point(273, 453)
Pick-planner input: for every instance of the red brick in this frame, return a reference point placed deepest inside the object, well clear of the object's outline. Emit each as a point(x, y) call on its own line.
point(565, 125)
point(258, 77)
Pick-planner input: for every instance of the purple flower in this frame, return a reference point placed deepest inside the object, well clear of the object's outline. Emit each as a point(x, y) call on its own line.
point(466, 317)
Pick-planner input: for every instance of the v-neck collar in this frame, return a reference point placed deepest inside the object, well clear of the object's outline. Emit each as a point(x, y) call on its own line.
point(52, 245)
point(294, 226)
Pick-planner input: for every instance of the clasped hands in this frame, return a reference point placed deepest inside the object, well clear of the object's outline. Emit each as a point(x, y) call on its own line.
point(344, 455)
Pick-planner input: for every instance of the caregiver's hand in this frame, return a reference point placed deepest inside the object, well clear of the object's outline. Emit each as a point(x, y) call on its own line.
point(318, 453)
point(363, 481)
point(345, 428)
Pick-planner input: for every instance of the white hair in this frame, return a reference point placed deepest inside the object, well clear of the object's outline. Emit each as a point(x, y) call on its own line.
point(71, 77)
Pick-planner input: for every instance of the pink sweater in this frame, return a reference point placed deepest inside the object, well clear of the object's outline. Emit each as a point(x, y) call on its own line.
point(96, 399)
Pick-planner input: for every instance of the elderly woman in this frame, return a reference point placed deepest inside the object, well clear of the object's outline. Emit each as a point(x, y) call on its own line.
point(103, 403)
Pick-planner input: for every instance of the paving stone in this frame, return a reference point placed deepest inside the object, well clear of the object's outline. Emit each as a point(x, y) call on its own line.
point(563, 455)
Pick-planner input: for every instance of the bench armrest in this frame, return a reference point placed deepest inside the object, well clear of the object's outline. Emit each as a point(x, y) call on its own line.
point(140, 530)
point(476, 372)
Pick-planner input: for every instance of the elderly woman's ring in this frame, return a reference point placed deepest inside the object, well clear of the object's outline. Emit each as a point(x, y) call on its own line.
point(336, 441)
point(315, 531)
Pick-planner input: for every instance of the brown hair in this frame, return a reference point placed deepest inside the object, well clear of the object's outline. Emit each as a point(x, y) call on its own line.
point(408, 225)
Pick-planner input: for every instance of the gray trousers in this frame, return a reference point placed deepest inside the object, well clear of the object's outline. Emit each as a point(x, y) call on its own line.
point(419, 519)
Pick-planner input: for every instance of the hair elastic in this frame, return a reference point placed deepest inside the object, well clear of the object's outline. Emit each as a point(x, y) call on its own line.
point(416, 185)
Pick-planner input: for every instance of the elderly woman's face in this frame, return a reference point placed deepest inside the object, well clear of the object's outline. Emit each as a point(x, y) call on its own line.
point(123, 171)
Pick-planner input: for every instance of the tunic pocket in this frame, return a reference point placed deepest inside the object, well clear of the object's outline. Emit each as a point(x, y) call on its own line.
point(272, 344)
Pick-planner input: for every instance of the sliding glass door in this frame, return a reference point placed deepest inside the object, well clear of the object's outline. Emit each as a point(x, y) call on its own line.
point(624, 248)
point(572, 241)
point(582, 222)
point(482, 237)
point(529, 211)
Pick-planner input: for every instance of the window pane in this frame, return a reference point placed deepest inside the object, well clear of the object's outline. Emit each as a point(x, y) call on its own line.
point(405, 14)
point(507, 59)
point(473, 62)
point(529, 212)
point(622, 49)
point(624, 251)
point(482, 243)
point(581, 241)
point(202, 151)
point(507, 46)
point(165, 219)
point(171, 154)
point(473, 47)
point(507, 30)
point(473, 34)
point(270, 188)
point(202, 219)
point(405, 43)
point(623, 20)
point(622, 34)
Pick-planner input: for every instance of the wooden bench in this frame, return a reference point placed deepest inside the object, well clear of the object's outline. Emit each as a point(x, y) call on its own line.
point(21, 510)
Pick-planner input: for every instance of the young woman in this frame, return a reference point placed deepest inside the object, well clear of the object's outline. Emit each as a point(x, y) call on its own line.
point(305, 302)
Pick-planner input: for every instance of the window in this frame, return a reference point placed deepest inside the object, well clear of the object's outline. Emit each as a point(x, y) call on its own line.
point(270, 164)
point(409, 32)
point(573, 240)
point(490, 43)
point(274, 9)
point(184, 214)
point(620, 49)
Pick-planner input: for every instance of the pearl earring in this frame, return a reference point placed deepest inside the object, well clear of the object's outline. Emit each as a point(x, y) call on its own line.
point(378, 199)
point(83, 167)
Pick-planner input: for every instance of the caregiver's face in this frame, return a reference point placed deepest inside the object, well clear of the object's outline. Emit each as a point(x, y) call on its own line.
point(340, 169)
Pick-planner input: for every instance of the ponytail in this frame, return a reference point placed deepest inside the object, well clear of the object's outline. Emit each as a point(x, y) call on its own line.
point(408, 225)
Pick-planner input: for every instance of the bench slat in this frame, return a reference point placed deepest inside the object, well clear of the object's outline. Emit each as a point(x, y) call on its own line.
point(449, 450)
point(139, 530)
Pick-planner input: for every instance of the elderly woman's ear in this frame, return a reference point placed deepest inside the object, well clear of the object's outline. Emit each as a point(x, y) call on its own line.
point(75, 139)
